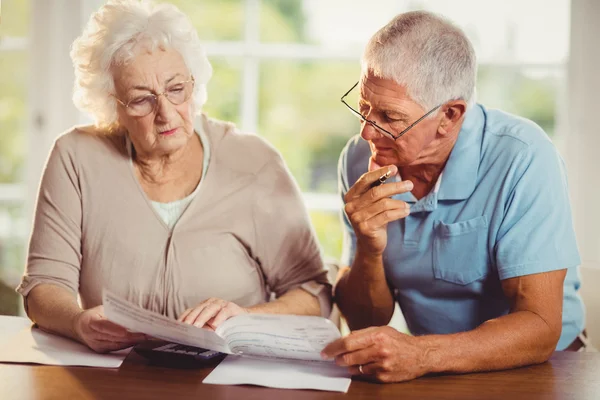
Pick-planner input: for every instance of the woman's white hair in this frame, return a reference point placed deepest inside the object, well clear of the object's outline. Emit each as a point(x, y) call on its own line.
point(427, 54)
point(110, 38)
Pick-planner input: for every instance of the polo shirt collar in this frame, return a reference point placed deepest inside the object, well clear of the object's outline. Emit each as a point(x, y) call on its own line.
point(462, 168)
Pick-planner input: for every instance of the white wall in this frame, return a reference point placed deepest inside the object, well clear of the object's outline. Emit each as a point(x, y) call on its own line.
point(583, 136)
point(583, 148)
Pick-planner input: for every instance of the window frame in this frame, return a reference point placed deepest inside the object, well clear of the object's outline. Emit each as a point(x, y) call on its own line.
point(56, 24)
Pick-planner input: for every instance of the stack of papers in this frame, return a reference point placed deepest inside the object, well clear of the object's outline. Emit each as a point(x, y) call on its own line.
point(282, 351)
point(281, 374)
point(20, 342)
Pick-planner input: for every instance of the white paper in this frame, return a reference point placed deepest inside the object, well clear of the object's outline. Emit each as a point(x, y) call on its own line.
point(282, 374)
point(279, 336)
point(10, 325)
point(137, 319)
point(32, 345)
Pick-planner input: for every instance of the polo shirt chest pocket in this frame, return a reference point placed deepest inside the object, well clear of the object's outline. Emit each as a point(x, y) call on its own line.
point(460, 253)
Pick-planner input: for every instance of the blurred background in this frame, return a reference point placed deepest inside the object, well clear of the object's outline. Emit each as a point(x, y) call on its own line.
point(280, 67)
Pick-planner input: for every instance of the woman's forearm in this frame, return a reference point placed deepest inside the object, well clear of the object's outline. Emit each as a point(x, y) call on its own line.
point(54, 309)
point(296, 301)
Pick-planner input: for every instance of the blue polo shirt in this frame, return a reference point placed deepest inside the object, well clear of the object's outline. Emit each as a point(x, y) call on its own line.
point(501, 210)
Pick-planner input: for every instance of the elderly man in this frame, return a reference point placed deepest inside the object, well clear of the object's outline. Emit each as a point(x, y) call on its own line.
point(472, 232)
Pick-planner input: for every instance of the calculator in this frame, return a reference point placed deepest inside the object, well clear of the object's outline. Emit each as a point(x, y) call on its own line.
point(175, 355)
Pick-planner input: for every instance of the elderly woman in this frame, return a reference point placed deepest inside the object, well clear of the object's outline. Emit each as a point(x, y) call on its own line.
point(186, 217)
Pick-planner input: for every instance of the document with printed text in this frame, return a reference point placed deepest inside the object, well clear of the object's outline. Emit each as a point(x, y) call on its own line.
point(272, 350)
point(263, 335)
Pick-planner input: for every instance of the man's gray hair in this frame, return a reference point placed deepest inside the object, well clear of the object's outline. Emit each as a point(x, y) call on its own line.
point(111, 37)
point(427, 54)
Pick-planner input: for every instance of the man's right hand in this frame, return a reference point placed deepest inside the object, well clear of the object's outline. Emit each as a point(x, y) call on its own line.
point(100, 334)
point(370, 209)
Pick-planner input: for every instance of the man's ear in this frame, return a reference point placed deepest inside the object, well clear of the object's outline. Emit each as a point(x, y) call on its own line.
point(453, 111)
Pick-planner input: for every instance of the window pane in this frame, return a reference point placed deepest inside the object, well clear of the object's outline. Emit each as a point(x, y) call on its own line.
point(12, 242)
point(331, 22)
point(301, 114)
point(526, 31)
point(282, 21)
point(13, 114)
point(15, 16)
point(528, 92)
point(12, 253)
point(215, 19)
point(329, 231)
point(224, 90)
point(13, 78)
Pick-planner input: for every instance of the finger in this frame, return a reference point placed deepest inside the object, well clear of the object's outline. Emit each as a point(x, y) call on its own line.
point(105, 328)
point(225, 313)
point(108, 327)
point(364, 182)
point(366, 369)
point(209, 325)
point(194, 312)
point(355, 341)
point(383, 219)
point(359, 357)
point(185, 314)
point(377, 208)
point(131, 337)
point(388, 189)
point(102, 346)
point(375, 195)
point(381, 192)
point(209, 312)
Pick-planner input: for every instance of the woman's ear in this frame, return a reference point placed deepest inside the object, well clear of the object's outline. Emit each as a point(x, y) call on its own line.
point(454, 112)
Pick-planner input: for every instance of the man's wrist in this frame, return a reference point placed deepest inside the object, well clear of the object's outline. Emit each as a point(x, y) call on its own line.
point(368, 256)
point(431, 350)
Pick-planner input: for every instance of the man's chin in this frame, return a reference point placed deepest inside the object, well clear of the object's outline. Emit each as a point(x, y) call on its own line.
point(379, 161)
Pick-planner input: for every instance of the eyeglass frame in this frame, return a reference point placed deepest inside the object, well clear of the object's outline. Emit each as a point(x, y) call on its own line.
point(157, 95)
point(372, 123)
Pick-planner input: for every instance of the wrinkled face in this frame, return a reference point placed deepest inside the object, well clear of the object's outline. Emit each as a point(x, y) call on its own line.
point(168, 127)
point(387, 104)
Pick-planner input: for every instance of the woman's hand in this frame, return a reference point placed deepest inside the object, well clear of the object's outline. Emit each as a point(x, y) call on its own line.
point(101, 335)
point(211, 313)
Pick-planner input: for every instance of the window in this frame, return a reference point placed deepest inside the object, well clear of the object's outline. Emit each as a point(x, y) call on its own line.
point(14, 68)
point(298, 57)
point(280, 67)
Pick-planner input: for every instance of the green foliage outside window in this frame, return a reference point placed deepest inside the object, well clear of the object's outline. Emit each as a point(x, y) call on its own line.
point(298, 100)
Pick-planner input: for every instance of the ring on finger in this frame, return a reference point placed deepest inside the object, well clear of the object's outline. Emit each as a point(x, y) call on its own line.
point(360, 369)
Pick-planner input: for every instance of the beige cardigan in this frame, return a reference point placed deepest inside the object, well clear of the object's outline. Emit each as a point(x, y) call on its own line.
point(245, 235)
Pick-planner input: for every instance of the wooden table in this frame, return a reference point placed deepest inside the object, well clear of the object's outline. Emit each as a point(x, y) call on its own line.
point(565, 376)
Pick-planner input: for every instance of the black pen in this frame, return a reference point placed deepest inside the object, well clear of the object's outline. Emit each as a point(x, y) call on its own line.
point(381, 179)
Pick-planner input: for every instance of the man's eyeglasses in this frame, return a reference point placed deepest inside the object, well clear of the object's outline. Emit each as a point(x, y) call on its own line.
point(141, 106)
point(384, 131)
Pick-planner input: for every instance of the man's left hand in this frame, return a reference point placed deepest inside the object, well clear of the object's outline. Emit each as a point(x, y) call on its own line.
point(380, 354)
